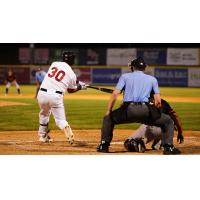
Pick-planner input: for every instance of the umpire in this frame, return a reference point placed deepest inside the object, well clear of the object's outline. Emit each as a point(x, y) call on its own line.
point(137, 87)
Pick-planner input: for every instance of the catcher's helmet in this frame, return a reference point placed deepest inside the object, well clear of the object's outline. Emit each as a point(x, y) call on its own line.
point(138, 64)
point(68, 57)
point(135, 145)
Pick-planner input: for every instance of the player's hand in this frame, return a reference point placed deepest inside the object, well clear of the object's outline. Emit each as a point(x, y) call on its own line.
point(81, 85)
point(180, 138)
point(84, 87)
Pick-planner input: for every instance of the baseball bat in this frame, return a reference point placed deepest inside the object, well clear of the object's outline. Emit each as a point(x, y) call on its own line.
point(107, 90)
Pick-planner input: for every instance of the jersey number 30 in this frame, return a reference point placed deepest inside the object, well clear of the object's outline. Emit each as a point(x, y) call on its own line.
point(59, 75)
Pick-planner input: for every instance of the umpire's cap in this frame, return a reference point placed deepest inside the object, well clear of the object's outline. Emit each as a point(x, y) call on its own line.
point(68, 57)
point(138, 63)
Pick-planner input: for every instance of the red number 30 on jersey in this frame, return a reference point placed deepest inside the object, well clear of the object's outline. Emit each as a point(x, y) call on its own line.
point(59, 75)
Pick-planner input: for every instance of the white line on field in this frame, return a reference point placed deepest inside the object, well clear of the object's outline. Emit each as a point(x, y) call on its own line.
point(19, 142)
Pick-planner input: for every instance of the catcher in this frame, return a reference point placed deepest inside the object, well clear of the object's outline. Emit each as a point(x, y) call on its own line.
point(11, 79)
point(146, 133)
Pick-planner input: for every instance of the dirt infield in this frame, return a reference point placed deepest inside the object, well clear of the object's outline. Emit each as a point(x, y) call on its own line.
point(26, 143)
point(8, 103)
point(103, 96)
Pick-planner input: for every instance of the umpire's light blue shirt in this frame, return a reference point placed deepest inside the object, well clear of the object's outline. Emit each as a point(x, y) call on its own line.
point(39, 76)
point(137, 86)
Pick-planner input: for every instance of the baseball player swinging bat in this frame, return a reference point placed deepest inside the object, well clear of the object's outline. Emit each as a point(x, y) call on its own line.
point(107, 90)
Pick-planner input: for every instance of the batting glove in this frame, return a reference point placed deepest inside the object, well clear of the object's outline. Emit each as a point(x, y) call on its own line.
point(81, 85)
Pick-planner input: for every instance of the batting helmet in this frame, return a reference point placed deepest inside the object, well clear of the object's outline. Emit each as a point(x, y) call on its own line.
point(135, 145)
point(68, 57)
point(138, 64)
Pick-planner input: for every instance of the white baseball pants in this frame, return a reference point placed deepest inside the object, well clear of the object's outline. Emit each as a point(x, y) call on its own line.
point(51, 102)
point(148, 132)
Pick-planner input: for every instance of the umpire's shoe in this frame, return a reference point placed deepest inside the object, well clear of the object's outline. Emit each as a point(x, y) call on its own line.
point(170, 150)
point(103, 147)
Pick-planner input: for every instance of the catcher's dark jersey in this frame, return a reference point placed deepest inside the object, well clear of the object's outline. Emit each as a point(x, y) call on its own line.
point(11, 77)
point(166, 108)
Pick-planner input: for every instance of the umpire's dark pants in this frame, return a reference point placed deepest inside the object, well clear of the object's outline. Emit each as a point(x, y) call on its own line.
point(138, 113)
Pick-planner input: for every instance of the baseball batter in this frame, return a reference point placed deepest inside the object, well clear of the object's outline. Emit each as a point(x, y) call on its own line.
point(59, 78)
point(11, 79)
point(153, 133)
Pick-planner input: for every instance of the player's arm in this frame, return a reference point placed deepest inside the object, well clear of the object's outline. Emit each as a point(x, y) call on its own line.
point(177, 124)
point(6, 81)
point(71, 90)
point(114, 95)
point(167, 109)
point(157, 100)
point(78, 85)
point(157, 97)
point(14, 77)
point(112, 100)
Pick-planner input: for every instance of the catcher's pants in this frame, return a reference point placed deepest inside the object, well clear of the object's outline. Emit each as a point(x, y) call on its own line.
point(140, 114)
point(51, 102)
point(148, 132)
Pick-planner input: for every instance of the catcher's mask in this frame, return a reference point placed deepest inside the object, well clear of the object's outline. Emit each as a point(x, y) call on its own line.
point(137, 64)
point(68, 57)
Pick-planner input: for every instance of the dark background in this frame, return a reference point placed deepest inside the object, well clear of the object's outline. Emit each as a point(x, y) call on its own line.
point(9, 52)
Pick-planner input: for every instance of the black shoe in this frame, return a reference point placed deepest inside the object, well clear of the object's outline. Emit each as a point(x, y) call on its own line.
point(135, 145)
point(103, 147)
point(141, 145)
point(170, 150)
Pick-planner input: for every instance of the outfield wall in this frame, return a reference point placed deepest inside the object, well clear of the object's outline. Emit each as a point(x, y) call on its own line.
point(171, 76)
point(103, 55)
point(114, 56)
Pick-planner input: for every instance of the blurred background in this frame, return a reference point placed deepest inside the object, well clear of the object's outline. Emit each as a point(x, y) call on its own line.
point(102, 64)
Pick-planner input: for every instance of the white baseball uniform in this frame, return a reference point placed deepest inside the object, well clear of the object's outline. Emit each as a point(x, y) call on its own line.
point(58, 79)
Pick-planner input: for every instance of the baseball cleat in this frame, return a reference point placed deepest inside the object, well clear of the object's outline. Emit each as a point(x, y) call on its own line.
point(71, 139)
point(69, 134)
point(103, 147)
point(170, 150)
point(45, 139)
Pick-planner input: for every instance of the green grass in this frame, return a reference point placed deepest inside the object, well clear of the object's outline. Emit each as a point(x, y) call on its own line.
point(166, 91)
point(180, 92)
point(88, 114)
